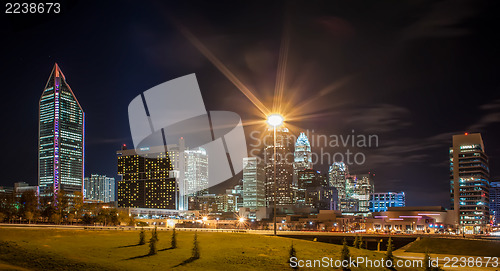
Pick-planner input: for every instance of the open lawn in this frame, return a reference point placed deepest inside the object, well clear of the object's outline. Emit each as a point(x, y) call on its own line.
point(487, 248)
point(56, 249)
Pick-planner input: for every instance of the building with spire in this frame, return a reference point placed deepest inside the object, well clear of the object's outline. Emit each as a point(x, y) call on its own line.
point(61, 140)
point(302, 155)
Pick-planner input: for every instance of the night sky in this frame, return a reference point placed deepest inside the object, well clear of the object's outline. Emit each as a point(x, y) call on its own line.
point(413, 73)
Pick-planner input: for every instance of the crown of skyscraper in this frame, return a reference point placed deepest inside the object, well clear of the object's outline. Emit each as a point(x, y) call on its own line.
point(302, 140)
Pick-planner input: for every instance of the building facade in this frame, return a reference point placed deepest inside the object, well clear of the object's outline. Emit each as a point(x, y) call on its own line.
point(469, 183)
point(379, 202)
point(362, 191)
point(302, 155)
point(196, 172)
point(146, 180)
point(338, 174)
point(285, 187)
point(99, 188)
point(61, 128)
point(254, 189)
point(495, 202)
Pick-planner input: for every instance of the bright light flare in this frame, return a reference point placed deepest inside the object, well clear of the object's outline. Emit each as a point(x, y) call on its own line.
point(205, 218)
point(275, 120)
point(242, 219)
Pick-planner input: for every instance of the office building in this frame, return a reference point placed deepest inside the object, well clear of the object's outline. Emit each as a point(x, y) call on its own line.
point(146, 179)
point(99, 188)
point(321, 197)
point(362, 191)
point(469, 183)
point(196, 173)
point(60, 138)
point(337, 177)
point(495, 202)
point(306, 179)
point(254, 189)
point(285, 187)
point(302, 155)
point(379, 202)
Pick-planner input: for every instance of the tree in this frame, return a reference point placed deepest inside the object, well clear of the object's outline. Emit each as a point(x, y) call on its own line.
point(55, 218)
point(155, 234)
point(142, 237)
point(70, 218)
point(291, 254)
point(28, 205)
point(28, 216)
point(388, 256)
point(356, 242)
point(360, 242)
point(173, 243)
point(345, 255)
point(62, 203)
point(2, 217)
point(78, 205)
point(196, 250)
point(152, 243)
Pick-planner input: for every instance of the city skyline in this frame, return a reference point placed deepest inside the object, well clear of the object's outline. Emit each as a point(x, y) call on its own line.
point(411, 138)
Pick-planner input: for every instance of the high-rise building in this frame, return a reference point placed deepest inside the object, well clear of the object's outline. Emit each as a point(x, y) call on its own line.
point(337, 176)
point(146, 179)
point(285, 187)
point(196, 174)
point(495, 201)
point(379, 202)
point(60, 138)
point(321, 197)
point(364, 187)
point(307, 179)
point(302, 155)
point(469, 183)
point(254, 189)
point(99, 188)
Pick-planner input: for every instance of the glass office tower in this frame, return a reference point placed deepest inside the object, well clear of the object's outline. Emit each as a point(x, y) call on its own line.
point(469, 183)
point(60, 138)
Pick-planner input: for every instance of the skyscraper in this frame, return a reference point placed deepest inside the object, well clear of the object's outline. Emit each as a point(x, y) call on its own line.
point(196, 174)
point(254, 190)
point(100, 188)
point(302, 155)
point(285, 186)
point(364, 187)
point(60, 138)
point(469, 183)
point(337, 176)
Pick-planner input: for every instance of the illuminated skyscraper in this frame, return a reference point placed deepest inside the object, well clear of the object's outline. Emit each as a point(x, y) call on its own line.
point(60, 138)
point(364, 188)
point(196, 174)
point(302, 155)
point(469, 183)
point(285, 186)
point(254, 190)
point(337, 177)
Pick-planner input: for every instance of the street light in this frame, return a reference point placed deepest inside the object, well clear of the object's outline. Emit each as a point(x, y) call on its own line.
point(275, 120)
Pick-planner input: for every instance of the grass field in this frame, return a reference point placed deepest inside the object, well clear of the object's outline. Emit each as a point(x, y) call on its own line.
point(486, 248)
point(50, 249)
